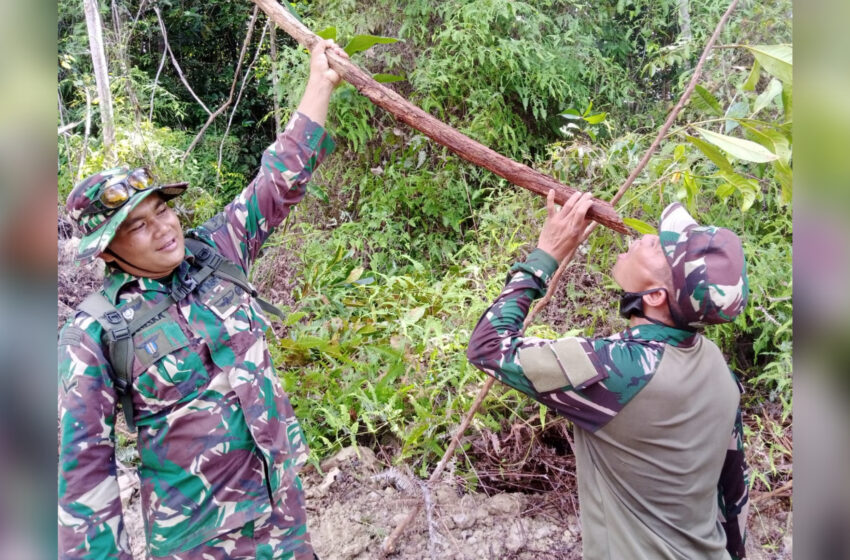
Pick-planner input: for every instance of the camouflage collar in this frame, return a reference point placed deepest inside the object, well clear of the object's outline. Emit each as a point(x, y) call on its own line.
point(115, 279)
point(661, 333)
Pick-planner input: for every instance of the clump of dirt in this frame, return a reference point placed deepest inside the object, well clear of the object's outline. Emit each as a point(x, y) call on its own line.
point(355, 506)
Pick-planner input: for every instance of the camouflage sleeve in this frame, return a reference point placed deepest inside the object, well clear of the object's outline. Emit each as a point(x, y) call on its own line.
point(588, 381)
point(733, 490)
point(286, 167)
point(90, 520)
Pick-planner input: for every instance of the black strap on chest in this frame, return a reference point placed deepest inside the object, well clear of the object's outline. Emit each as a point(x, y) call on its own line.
point(118, 332)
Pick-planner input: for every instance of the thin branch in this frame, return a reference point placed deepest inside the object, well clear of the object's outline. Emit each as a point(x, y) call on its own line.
point(787, 487)
point(86, 136)
point(229, 99)
point(241, 91)
point(389, 543)
point(275, 94)
point(682, 100)
point(156, 80)
point(174, 60)
point(64, 128)
point(121, 46)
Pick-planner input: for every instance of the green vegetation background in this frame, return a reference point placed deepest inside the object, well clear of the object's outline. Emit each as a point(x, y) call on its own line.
point(400, 246)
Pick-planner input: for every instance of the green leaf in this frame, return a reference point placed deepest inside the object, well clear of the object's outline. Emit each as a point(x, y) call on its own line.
point(766, 97)
point(293, 318)
point(748, 198)
point(776, 59)
point(414, 315)
point(388, 78)
point(571, 114)
point(354, 275)
point(749, 188)
point(725, 190)
point(640, 226)
point(787, 104)
point(784, 176)
point(360, 43)
point(595, 119)
point(735, 111)
point(318, 192)
point(327, 33)
point(712, 153)
point(709, 99)
point(737, 147)
point(753, 78)
point(771, 139)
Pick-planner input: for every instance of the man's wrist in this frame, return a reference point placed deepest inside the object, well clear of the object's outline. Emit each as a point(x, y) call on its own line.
point(539, 264)
point(318, 85)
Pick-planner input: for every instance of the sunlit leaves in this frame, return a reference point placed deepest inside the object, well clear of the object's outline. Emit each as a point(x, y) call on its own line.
point(640, 226)
point(753, 78)
point(737, 147)
point(360, 43)
point(766, 97)
point(388, 78)
point(327, 33)
point(776, 59)
point(712, 153)
point(709, 100)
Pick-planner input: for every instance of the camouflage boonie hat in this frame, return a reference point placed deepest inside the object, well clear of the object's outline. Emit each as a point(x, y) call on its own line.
point(99, 227)
point(709, 270)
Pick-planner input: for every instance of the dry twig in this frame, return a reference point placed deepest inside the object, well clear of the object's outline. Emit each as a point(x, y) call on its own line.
point(241, 90)
point(229, 99)
point(174, 60)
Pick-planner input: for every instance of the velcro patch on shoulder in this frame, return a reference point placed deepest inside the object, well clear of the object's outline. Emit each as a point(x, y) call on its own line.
point(558, 364)
point(71, 336)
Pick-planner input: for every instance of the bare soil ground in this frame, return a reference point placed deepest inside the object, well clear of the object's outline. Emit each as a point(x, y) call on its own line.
point(359, 501)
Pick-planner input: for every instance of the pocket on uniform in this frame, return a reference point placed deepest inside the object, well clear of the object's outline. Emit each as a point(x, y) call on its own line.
point(163, 371)
point(160, 339)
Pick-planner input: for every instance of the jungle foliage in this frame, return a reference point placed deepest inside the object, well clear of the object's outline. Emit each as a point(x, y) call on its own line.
point(400, 246)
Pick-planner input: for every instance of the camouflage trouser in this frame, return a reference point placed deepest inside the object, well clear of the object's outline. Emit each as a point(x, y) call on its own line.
point(279, 535)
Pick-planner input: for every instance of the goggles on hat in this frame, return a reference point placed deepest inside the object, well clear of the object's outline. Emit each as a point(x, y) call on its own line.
point(119, 189)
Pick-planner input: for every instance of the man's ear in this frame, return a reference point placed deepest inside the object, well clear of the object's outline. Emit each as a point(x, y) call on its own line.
point(107, 258)
point(655, 299)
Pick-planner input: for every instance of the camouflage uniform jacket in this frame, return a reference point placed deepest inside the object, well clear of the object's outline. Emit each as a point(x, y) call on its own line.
point(217, 437)
point(590, 381)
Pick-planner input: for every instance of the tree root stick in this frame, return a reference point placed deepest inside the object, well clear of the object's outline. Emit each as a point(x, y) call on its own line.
point(784, 489)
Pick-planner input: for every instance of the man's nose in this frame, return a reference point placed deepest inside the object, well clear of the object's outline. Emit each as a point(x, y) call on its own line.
point(161, 225)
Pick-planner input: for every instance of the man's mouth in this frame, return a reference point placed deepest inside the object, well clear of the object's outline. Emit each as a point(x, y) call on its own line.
point(170, 246)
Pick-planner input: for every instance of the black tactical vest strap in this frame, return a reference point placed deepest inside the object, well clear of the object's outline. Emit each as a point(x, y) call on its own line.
point(119, 341)
point(228, 270)
point(118, 333)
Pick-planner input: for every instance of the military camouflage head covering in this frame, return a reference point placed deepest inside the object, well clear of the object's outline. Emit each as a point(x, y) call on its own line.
point(99, 223)
point(709, 270)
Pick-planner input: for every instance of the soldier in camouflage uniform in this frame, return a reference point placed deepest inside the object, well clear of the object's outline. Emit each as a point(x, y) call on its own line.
point(658, 432)
point(218, 441)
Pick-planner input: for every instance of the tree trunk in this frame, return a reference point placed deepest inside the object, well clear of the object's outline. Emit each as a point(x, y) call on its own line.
point(101, 74)
point(470, 150)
